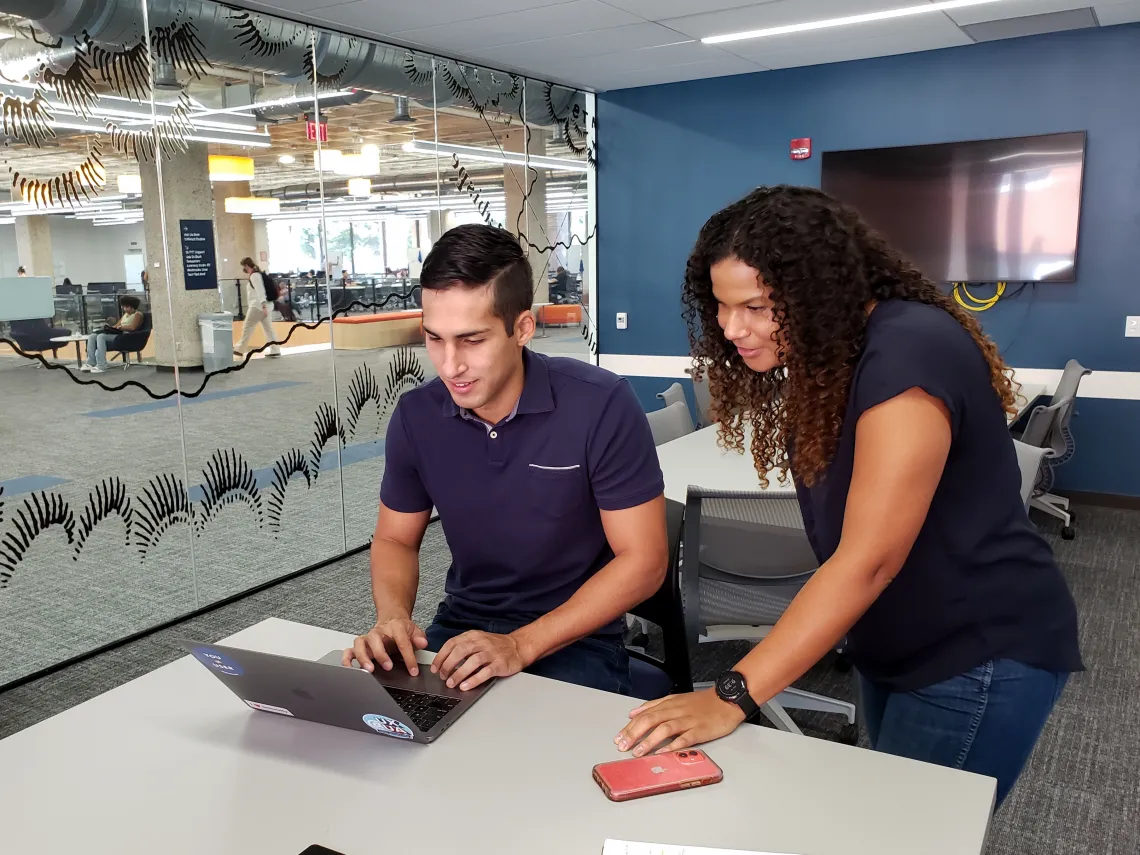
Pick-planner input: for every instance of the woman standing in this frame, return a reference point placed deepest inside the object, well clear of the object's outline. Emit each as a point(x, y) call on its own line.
point(888, 405)
point(259, 310)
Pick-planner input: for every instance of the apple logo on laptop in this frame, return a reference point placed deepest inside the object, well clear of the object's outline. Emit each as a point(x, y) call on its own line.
point(301, 693)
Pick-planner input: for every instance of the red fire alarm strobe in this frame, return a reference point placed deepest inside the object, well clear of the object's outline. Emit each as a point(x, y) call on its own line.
point(312, 129)
point(801, 148)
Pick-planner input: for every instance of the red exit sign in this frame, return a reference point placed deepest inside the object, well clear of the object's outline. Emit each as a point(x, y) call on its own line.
point(315, 129)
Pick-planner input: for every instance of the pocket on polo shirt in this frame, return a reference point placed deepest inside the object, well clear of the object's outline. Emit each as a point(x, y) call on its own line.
point(556, 490)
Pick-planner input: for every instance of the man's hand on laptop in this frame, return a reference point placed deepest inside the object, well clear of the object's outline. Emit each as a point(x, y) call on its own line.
point(395, 635)
point(473, 658)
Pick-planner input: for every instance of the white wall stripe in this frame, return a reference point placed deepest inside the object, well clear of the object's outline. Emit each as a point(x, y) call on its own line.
point(1109, 385)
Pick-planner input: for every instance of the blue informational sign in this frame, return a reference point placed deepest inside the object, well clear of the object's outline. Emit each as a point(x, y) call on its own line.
point(199, 261)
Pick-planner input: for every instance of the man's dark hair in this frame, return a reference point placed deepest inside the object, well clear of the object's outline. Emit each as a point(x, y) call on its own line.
point(129, 302)
point(475, 255)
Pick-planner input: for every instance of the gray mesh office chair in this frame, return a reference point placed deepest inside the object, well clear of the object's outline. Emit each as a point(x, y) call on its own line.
point(1048, 428)
point(670, 422)
point(745, 556)
point(673, 395)
point(1029, 458)
point(703, 398)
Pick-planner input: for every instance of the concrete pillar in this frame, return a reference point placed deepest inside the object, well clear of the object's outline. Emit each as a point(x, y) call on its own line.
point(186, 194)
point(261, 246)
point(33, 246)
point(234, 233)
point(531, 225)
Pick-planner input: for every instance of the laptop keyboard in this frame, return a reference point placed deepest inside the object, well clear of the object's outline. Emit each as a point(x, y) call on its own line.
point(425, 711)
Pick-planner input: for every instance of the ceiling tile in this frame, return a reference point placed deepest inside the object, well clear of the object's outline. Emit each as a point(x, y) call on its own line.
point(630, 37)
point(673, 74)
point(777, 14)
point(577, 16)
point(656, 10)
point(390, 16)
point(925, 32)
point(920, 39)
point(629, 60)
point(311, 6)
point(1013, 9)
point(1031, 25)
point(1110, 14)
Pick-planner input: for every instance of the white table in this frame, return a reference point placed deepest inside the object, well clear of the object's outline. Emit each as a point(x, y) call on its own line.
point(173, 763)
point(76, 339)
point(697, 460)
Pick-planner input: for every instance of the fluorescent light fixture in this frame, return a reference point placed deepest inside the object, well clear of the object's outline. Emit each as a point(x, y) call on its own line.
point(846, 21)
point(7, 221)
point(360, 187)
point(490, 155)
point(286, 160)
point(276, 102)
point(252, 205)
point(130, 184)
point(224, 167)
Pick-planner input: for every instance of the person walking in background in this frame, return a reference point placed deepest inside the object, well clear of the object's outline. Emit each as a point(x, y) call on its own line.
point(260, 308)
point(97, 342)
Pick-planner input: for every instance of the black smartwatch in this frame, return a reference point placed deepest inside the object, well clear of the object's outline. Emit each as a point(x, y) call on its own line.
point(730, 686)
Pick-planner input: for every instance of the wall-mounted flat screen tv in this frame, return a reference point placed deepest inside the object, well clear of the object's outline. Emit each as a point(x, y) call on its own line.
point(981, 211)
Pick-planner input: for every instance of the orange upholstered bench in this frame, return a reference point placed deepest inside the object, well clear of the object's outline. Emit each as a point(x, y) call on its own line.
point(555, 315)
point(385, 329)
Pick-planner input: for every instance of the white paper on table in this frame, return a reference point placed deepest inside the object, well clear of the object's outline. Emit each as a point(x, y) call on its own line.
point(626, 847)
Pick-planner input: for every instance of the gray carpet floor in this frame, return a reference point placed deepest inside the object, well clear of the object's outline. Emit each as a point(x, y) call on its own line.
point(1079, 794)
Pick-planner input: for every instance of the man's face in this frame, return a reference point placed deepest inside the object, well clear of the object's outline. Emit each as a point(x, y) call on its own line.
point(470, 347)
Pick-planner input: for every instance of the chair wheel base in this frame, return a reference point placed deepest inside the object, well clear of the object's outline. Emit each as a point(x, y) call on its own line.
point(849, 735)
point(1067, 533)
point(842, 664)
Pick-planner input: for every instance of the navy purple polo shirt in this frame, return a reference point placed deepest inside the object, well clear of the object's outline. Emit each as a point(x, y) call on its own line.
point(520, 501)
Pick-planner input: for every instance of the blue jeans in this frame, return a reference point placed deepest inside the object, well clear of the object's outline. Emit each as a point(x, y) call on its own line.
point(986, 720)
point(97, 348)
point(597, 662)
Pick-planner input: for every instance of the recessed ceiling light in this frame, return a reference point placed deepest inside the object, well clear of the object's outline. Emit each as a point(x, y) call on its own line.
point(286, 159)
point(845, 21)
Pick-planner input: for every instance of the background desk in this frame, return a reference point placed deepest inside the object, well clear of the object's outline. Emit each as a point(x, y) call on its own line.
point(173, 763)
point(697, 459)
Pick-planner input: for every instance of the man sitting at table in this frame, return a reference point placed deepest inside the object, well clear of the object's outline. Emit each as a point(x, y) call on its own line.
point(546, 481)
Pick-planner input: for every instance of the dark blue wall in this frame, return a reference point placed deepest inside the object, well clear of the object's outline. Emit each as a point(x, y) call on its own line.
point(672, 155)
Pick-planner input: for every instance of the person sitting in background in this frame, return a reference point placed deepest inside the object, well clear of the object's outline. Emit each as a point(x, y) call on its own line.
point(345, 279)
point(21, 272)
point(97, 342)
point(560, 290)
point(261, 296)
point(546, 481)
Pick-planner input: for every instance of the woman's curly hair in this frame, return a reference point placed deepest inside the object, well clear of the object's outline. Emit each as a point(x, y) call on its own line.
point(825, 266)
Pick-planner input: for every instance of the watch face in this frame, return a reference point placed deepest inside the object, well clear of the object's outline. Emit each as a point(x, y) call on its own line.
point(731, 685)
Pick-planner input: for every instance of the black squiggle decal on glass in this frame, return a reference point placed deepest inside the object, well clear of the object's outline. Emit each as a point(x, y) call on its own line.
point(74, 87)
point(37, 515)
point(323, 82)
point(108, 497)
point(33, 37)
point(27, 120)
point(172, 134)
point(126, 71)
point(404, 373)
point(187, 393)
point(326, 425)
point(362, 389)
point(465, 184)
point(228, 479)
point(249, 35)
point(181, 46)
point(66, 188)
point(162, 505)
point(417, 75)
point(293, 462)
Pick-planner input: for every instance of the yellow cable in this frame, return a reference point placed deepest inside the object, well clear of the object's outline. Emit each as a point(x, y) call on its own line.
point(978, 305)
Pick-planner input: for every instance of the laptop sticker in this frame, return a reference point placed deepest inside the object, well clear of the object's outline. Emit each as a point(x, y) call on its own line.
point(269, 708)
point(388, 726)
point(218, 661)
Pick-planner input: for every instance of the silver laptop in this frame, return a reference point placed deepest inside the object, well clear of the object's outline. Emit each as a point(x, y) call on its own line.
point(390, 703)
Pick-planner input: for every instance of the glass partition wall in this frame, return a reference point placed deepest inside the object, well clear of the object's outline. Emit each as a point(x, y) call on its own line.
point(151, 148)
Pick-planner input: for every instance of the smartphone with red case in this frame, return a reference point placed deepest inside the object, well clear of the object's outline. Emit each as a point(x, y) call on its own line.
point(622, 780)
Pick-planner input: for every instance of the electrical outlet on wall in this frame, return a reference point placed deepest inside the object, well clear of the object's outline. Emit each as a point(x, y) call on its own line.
point(622, 320)
point(1132, 326)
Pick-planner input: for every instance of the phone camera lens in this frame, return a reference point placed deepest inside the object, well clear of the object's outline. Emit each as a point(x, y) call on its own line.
point(683, 754)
